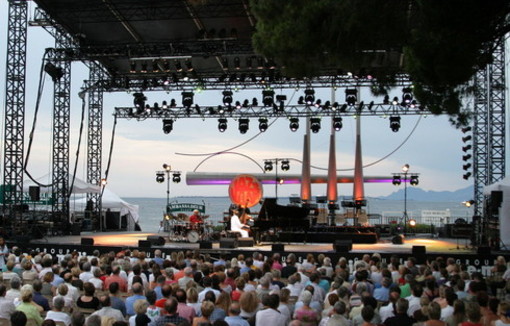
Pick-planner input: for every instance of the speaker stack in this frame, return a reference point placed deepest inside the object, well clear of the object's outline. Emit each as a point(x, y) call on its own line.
point(228, 243)
point(156, 240)
point(342, 245)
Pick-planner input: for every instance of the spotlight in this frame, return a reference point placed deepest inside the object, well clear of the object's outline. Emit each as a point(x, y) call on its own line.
point(168, 125)
point(395, 101)
point(407, 96)
point(396, 180)
point(412, 223)
point(262, 124)
point(244, 125)
point(309, 96)
point(268, 97)
point(414, 180)
point(386, 99)
point(222, 124)
point(144, 67)
point(466, 129)
point(469, 203)
point(315, 124)
point(224, 63)
point(227, 98)
point(268, 166)
point(337, 123)
point(466, 157)
point(467, 138)
point(132, 68)
point(187, 99)
point(238, 105)
point(466, 176)
point(178, 66)
point(405, 168)
point(237, 63)
point(351, 96)
point(467, 148)
point(466, 167)
point(188, 64)
point(176, 177)
point(294, 124)
point(172, 103)
point(285, 165)
point(254, 102)
point(281, 102)
point(395, 124)
point(301, 100)
point(139, 100)
point(160, 177)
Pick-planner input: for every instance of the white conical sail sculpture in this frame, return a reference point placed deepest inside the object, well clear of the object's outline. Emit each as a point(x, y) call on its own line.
point(358, 188)
point(306, 185)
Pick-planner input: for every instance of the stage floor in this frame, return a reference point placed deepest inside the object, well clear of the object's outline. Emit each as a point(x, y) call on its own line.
point(130, 239)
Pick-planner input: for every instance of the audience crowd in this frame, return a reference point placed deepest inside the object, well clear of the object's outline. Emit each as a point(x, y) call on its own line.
point(189, 288)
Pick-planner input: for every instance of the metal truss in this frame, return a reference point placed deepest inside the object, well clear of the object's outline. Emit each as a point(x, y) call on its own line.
point(94, 135)
point(14, 107)
point(218, 112)
point(61, 138)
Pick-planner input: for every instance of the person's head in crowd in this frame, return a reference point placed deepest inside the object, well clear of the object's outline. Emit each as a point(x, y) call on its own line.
point(473, 312)
point(219, 322)
point(395, 293)
point(97, 273)
point(332, 299)
point(482, 298)
point(235, 309)
point(386, 282)
point(284, 295)
point(192, 295)
point(305, 297)
point(493, 305)
point(140, 306)
point(223, 301)
point(18, 318)
point(180, 295)
point(105, 300)
point(93, 320)
point(3, 290)
point(434, 311)
point(401, 306)
point(37, 285)
point(26, 293)
point(68, 277)
point(271, 301)
point(210, 296)
point(58, 303)
point(89, 289)
point(171, 306)
point(417, 290)
point(207, 309)
point(137, 288)
point(77, 318)
point(450, 296)
point(240, 283)
point(343, 292)
point(367, 313)
point(249, 301)
point(137, 279)
point(166, 291)
point(113, 288)
point(151, 297)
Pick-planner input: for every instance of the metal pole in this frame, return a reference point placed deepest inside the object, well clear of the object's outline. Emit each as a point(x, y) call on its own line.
point(167, 189)
point(405, 203)
point(276, 180)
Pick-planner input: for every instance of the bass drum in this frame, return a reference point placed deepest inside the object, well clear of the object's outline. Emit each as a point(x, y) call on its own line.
point(193, 236)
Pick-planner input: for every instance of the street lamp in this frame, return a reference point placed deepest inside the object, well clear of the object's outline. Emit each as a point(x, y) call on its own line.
point(268, 166)
point(160, 178)
point(413, 181)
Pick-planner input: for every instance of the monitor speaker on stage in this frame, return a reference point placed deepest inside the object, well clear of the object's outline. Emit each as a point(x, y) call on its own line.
point(144, 243)
point(229, 243)
point(419, 250)
point(156, 240)
point(496, 200)
point(205, 245)
point(483, 250)
point(87, 241)
point(35, 193)
point(278, 247)
point(342, 245)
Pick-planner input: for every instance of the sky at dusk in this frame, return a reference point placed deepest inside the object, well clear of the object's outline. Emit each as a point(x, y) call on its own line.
point(433, 149)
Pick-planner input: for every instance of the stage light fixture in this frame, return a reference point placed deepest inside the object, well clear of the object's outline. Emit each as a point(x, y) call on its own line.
point(326, 105)
point(160, 177)
point(466, 129)
point(370, 105)
point(164, 105)
point(386, 99)
point(263, 124)
point(405, 168)
point(469, 203)
point(224, 64)
point(244, 125)
point(189, 65)
point(139, 100)
point(337, 123)
point(395, 101)
point(238, 105)
point(132, 68)
point(227, 98)
point(412, 223)
point(309, 96)
point(268, 97)
point(222, 124)
point(237, 63)
point(395, 123)
point(246, 103)
point(285, 165)
point(301, 100)
point(466, 157)
point(178, 66)
point(173, 104)
point(168, 125)
point(467, 138)
point(396, 180)
point(166, 66)
point(260, 63)
point(144, 67)
point(155, 67)
point(315, 124)
point(351, 96)
point(254, 102)
point(268, 166)
point(466, 167)
point(407, 96)
point(467, 148)
point(466, 176)
point(414, 180)
point(176, 177)
point(249, 63)
point(294, 124)
point(318, 103)
point(187, 99)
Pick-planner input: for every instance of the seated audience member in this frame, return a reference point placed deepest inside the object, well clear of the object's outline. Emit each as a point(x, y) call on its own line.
point(27, 305)
point(6, 306)
point(107, 310)
point(88, 300)
point(56, 314)
point(18, 318)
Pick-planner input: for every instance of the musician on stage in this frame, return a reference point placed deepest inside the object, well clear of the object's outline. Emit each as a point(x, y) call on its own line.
point(236, 222)
point(195, 218)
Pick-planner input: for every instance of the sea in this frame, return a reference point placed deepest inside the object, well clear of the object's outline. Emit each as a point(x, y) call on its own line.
point(151, 210)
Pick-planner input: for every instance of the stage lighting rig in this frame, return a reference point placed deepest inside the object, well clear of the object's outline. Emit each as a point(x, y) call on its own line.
point(414, 180)
point(268, 166)
point(227, 98)
point(315, 124)
point(168, 126)
point(281, 102)
point(160, 176)
point(222, 124)
point(396, 180)
point(187, 99)
point(285, 165)
point(407, 96)
point(337, 123)
point(351, 96)
point(294, 124)
point(176, 177)
point(263, 124)
point(309, 96)
point(268, 97)
point(244, 125)
point(395, 123)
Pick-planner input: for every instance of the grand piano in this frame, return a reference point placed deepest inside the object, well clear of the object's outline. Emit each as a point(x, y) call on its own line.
point(296, 224)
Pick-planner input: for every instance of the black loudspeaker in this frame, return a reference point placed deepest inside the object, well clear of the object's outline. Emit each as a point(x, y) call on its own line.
point(87, 241)
point(144, 243)
point(76, 229)
point(35, 193)
point(205, 245)
point(419, 250)
point(228, 243)
point(156, 240)
point(496, 200)
point(342, 245)
point(278, 247)
point(245, 242)
point(484, 250)
point(398, 239)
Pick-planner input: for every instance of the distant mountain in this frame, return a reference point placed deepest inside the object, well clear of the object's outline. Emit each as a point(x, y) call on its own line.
point(422, 195)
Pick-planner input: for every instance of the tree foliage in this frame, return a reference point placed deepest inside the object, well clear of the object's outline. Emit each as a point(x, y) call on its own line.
point(443, 43)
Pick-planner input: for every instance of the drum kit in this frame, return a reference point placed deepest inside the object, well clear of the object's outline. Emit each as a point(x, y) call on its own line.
point(180, 230)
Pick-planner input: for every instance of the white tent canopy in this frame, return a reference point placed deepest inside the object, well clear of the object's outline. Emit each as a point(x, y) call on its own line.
point(79, 186)
point(110, 201)
point(504, 210)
